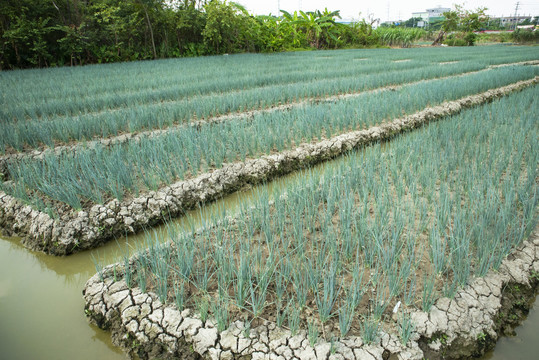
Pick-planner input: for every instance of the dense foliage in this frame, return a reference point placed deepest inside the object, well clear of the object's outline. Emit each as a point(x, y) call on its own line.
point(525, 36)
point(39, 33)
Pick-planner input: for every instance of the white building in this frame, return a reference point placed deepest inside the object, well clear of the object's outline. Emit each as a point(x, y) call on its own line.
point(437, 12)
point(430, 15)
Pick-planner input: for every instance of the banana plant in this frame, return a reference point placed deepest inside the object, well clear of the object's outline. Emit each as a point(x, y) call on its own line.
point(317, 24)
point(330, 28)
point(289, 23)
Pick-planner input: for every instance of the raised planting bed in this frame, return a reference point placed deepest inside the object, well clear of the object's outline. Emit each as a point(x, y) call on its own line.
point(80, 200)
point(40, 153)
point(155, 110)
point(425, 246)
point(59, 106)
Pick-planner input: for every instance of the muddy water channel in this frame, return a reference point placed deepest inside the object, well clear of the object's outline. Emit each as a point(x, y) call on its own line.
point(41, 304)
point(523, 346)
point(41, 307)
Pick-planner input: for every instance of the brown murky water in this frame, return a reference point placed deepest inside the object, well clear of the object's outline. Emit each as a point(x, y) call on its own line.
point(523, 346)
point(41, 305)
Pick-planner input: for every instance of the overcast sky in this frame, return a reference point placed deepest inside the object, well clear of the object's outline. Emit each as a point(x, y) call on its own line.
point(350, 9)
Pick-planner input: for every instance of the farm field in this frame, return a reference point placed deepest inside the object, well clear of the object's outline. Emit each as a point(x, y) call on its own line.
point(427, 192)
point(332, 254)
point(47, 107)
point(93, 176)
point(111, 182)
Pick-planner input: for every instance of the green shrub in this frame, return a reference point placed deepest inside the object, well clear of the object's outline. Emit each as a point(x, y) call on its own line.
point(455, 41)
point(470, 38)
point(461, 39)
point(525, 36)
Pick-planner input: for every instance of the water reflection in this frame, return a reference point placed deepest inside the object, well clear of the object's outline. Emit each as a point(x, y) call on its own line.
point(41, 310)
point(523, 346)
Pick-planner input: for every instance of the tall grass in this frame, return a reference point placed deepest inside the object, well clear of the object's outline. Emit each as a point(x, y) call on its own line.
point(403, 37)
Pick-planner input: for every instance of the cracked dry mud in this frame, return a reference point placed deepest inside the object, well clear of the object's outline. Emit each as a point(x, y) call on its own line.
point(76, 231)
point(458, 328)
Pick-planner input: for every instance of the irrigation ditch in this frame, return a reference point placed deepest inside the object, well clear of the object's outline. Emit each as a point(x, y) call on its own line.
point(459, 328)
point(76, 231)
point(135, 136)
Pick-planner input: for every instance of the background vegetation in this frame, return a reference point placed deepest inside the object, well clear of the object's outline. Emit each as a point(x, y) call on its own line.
point(43, 33)
point(38, 33)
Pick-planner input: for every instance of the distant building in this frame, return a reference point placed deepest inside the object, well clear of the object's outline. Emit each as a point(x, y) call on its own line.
point(422, 14)
point(430, 15)
point(509, 20)
point(437, 12)
point(393, 22)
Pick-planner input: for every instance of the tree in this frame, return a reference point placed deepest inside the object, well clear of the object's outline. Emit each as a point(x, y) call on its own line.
point(72, 42)
point(29, 40)
point(330, 28)
point(223, 22)
point(38, 33)
point(112, 22)
point(268, 34)
point(316, 28)
point(189, 22)
point(289, 27)
point(317, 24)
point(28, 33)
point(362, 33)
point(461, 20)
point(146, 6)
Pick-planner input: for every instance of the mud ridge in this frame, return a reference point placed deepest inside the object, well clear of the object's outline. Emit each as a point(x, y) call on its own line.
point(89, 228)
point(136, 136)
point(458, 328)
